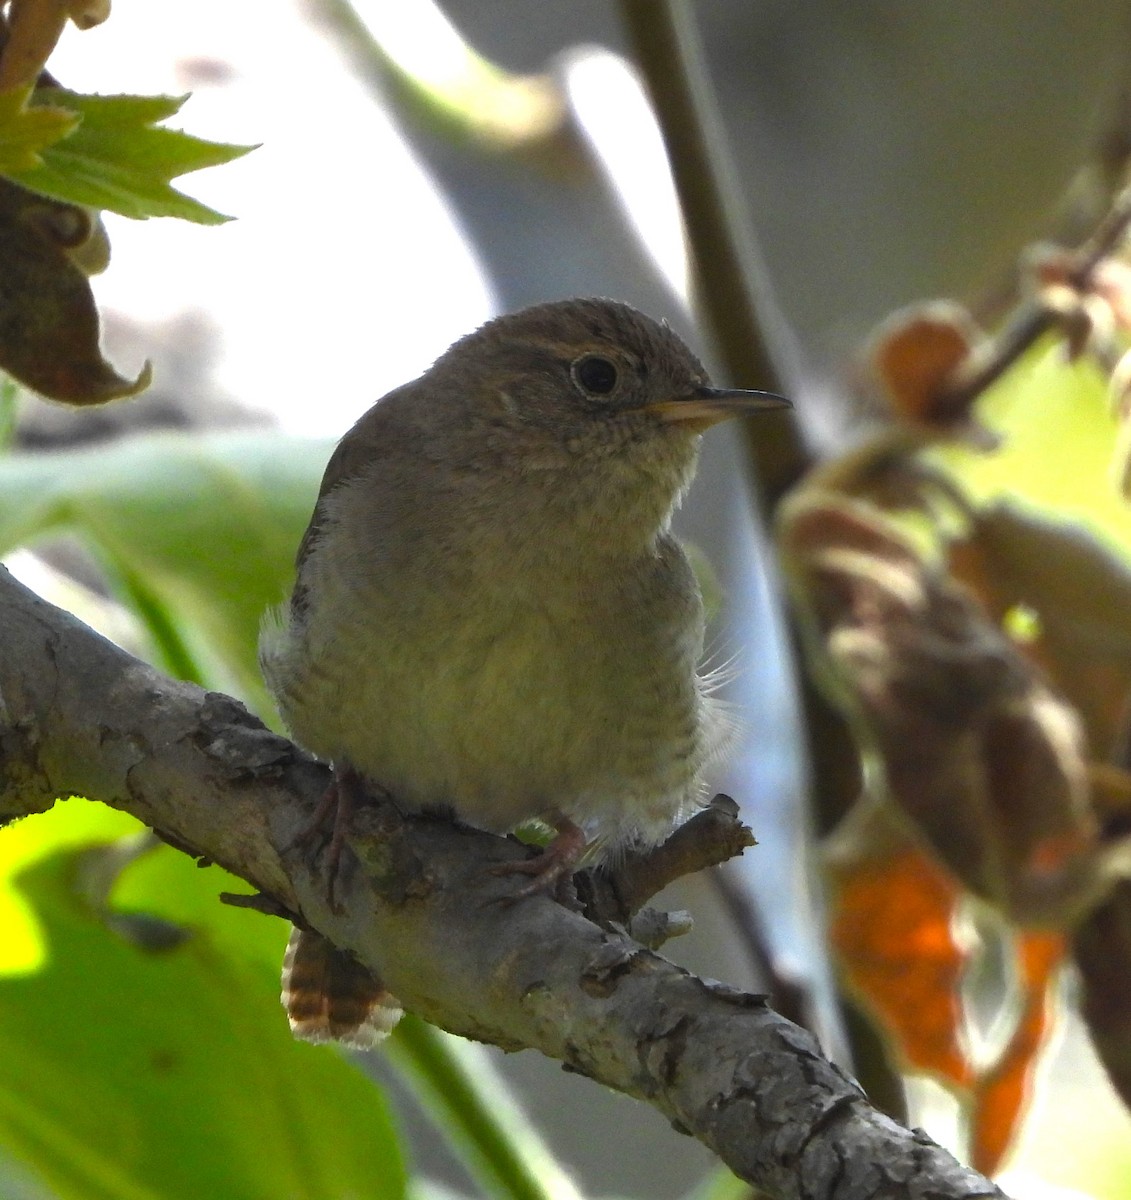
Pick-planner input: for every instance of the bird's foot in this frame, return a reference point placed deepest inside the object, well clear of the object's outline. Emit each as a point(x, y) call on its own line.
point(342, 796)
point(552, 869)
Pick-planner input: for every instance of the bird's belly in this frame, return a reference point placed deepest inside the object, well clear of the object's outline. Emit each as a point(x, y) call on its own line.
point(512, 716)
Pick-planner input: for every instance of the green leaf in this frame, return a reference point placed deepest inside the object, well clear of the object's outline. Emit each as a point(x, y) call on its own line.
point(26, 132)
point(202, 529)
point(130, 1071)
point(119, 159)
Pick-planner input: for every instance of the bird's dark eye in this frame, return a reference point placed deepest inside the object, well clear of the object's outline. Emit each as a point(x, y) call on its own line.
point(596, 375)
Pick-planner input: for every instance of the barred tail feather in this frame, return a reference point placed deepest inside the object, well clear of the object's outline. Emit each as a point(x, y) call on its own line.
point(330, 997)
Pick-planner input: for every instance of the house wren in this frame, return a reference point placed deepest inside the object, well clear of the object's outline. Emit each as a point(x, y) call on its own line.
point(491, 615)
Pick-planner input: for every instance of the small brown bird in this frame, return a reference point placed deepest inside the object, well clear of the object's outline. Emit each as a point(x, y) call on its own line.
point(491, 616)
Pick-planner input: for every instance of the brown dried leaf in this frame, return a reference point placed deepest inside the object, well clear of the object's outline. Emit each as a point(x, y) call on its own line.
point(1081, 593)
point(1101, 947)
point(1107, 285)
point(976, 750)
point(1001, 1094)
point(48, 320)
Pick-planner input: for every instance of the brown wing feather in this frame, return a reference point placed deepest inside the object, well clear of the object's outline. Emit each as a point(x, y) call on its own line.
point(357, 450)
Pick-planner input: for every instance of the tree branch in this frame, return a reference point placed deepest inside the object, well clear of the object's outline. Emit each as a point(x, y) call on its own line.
point(81, 716)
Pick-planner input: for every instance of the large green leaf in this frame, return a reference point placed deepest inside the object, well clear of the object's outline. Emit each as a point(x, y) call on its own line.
point(140, 1059)
point(198, 531)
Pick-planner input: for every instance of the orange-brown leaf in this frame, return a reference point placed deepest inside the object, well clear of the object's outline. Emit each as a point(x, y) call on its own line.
point(891, 932)
point(1001, 1093)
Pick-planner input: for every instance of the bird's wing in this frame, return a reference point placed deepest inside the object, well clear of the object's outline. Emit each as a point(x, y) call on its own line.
point(358, 449)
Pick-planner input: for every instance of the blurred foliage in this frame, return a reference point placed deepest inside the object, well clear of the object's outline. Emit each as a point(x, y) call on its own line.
point(964, 596)
point(197, 532)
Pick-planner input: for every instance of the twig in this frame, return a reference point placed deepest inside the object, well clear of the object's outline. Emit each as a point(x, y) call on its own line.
point(726, 263)
point(712, 836)
point(614, 896)
point(1036, 319)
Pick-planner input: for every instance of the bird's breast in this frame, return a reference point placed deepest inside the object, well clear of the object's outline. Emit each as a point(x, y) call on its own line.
point(513, 692)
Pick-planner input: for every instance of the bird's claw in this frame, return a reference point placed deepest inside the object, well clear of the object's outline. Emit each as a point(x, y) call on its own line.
point(340, 798)
point(551, 871)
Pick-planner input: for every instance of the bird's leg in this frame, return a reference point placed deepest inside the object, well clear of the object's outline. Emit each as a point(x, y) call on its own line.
point(552, 869)
point(341, 797)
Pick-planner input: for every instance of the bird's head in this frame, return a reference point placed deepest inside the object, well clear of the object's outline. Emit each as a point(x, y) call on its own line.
point(589, 380)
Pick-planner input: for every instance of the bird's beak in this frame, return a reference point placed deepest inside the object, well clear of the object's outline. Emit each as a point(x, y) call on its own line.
point(706, 406)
